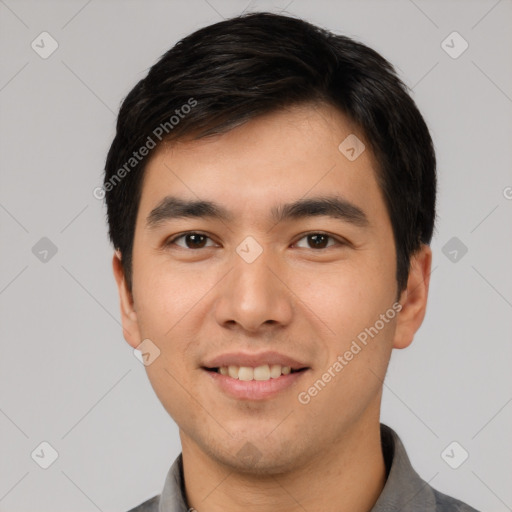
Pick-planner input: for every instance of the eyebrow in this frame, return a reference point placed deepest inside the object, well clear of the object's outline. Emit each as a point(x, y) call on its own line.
point(171, 208)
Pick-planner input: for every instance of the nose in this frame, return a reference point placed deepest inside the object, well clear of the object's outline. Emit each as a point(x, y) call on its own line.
point(254, 296)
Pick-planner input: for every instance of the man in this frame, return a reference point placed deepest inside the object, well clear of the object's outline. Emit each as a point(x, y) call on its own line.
point(271, 199)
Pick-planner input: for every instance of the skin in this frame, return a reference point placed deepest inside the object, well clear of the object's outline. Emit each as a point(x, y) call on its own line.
point(306, 302)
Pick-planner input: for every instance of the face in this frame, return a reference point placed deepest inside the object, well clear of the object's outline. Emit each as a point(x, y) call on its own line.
point(266, 248)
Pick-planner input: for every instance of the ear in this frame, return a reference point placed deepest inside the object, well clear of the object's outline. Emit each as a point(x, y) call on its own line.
point(414, 298)
point(128, 314)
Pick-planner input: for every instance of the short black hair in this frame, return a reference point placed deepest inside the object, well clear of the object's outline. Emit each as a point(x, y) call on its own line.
point(230, 72)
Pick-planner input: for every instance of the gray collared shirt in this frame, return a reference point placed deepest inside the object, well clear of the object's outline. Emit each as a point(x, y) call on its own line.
point(404, 490)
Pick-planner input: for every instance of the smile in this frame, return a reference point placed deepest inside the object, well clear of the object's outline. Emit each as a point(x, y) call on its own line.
point(248, 383)
point(261, 373)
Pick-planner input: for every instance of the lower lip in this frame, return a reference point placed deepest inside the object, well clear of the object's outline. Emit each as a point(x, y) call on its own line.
point(254, 389)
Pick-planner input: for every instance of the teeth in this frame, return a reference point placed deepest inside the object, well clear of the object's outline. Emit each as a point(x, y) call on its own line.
point(233, 371)
point(275, 371)
point(245, 373)
point(263, 372)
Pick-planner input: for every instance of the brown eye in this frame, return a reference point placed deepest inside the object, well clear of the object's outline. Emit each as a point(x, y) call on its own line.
point(318, 241)
point(191, 241)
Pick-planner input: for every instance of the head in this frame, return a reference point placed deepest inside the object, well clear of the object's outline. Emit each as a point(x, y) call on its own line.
point(271, 187)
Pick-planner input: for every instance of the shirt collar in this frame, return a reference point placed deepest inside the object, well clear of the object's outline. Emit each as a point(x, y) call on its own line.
point(173, 495)
point(404, 489)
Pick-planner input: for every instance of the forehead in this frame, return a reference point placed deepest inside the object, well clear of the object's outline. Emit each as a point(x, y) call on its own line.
point(272, 159)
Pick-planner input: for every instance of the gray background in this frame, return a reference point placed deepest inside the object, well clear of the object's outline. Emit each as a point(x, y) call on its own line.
point(67, 375)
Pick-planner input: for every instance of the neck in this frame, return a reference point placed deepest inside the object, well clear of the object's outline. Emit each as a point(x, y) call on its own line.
point(348, 476)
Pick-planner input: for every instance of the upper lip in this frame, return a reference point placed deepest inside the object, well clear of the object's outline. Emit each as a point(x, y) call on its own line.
point(253, 360)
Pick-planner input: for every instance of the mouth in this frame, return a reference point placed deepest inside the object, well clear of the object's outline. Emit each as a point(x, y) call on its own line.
point(263, 372)
point(254, 376)
point(256, 384)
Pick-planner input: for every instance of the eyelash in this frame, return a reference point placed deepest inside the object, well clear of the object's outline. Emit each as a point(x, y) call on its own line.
point(168, 243)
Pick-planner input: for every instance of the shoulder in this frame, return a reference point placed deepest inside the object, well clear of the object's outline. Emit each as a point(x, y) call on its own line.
point(150, 505)
point(404, 488)
point(445, 503)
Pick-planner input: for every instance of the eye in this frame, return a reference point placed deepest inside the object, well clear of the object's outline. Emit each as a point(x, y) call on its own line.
point(192, 240)
point(196, 240)
point(318, 241)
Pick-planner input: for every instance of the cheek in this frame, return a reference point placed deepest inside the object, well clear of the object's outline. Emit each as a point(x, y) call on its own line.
point(348, 298)
point(172, 308)
point(162, 295)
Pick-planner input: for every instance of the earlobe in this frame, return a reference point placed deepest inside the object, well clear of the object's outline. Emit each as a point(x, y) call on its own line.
point(414, 298)
point(128, 313)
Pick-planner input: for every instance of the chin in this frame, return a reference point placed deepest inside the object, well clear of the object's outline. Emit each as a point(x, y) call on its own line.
point(266, 465)
point(259, 456)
